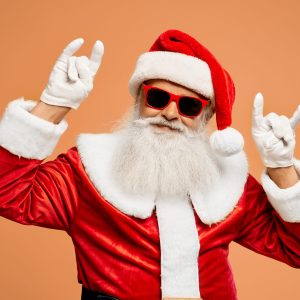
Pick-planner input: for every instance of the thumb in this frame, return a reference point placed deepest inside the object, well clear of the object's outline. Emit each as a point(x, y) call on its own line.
point(84, 72)
point(82, 67)
point(72, 71)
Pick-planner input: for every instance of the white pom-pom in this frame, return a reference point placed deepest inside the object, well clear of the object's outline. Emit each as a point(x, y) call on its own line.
point(227, 142)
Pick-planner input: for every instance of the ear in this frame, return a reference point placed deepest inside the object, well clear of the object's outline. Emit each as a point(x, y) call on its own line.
point(210, 110)
point(207, 114)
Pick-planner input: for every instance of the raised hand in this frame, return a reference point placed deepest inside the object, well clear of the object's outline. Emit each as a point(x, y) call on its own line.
point(72, 77)
point(274, 135)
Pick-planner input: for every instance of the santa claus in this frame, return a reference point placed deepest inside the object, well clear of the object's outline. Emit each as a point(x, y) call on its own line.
point(152, 207)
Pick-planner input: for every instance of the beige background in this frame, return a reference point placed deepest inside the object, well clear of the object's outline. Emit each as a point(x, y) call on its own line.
point(258, 43)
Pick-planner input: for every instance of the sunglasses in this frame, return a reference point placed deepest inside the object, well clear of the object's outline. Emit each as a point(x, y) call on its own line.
point(187, 106)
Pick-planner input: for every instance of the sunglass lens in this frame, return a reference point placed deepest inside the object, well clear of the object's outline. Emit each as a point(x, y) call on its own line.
point(190, 106)
point(157, 98)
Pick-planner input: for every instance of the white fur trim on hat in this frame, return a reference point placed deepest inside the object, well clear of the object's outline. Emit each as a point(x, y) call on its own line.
point(24, 134)
point(285, 201)
point(186, 70)
point(227, 142)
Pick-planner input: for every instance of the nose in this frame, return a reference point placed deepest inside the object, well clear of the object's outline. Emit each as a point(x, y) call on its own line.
point(170, 112)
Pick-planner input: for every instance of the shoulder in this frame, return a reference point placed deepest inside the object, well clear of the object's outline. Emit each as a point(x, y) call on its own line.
point(253, 187)
point(254, 199)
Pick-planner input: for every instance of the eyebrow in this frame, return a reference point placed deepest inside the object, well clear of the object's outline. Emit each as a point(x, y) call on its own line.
point(204, 97)
point(198, 96)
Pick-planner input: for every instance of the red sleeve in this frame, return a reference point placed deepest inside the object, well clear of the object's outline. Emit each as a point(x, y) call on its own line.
point(36, 193)
point(264, 231)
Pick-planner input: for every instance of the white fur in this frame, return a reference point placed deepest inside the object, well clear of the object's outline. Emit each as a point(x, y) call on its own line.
point(179, 244)
point(27, 135)
point(97, 154)
point(285, 201)
point(183, 69)
point(171, 163)
point(216, 203)
point(179, 239)
point(212, 205)
point(227, 142)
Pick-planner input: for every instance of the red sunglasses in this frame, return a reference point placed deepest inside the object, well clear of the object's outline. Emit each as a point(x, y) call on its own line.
point(187, 106)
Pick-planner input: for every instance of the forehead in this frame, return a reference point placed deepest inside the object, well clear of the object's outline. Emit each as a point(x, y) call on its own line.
point(171, 87)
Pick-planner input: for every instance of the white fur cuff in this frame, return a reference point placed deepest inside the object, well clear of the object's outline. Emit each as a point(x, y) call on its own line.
point(27, 135)
point(285, 201)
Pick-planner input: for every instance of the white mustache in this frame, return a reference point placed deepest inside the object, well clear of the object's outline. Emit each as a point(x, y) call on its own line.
point(160, 121)
point(177, 125)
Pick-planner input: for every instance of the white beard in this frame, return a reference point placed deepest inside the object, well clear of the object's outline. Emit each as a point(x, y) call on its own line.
point(165, 163)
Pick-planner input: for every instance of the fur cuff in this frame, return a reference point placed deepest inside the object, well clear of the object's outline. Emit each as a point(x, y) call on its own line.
point(285, 201)
point(27, 135)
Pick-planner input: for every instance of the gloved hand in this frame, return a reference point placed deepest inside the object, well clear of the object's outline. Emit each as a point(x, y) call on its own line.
point(72, 77)
point(274, 135)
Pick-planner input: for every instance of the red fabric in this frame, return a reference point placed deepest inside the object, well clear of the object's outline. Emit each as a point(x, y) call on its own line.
point(177, 41)
point(120, 255)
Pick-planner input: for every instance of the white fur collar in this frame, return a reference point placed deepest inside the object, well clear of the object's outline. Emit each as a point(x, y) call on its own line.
point(212, 206)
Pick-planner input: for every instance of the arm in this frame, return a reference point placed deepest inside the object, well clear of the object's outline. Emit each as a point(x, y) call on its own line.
point(270, 225)
point(32, 192)
point(275, 139)
point(51, 113)
point(283, 177)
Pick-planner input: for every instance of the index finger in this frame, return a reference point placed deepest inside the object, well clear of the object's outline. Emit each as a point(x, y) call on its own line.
point(295, 119)
point(258, 107)
point(72, 47)
point(96, 56)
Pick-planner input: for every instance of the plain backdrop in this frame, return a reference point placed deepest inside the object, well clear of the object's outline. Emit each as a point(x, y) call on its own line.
point(256, 41)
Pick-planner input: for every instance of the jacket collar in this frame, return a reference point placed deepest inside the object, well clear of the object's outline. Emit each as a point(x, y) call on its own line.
point(212, 205)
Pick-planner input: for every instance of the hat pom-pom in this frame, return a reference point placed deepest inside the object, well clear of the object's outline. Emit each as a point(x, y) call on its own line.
point(227, 142)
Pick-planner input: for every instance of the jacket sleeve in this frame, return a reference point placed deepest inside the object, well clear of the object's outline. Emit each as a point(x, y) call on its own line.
point(33, 192)
point(271, 225)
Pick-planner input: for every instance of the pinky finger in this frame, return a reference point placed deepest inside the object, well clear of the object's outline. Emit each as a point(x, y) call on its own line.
point(295, 119)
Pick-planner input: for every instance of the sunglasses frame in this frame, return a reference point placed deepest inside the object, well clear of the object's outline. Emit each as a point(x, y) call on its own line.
point(173, 97)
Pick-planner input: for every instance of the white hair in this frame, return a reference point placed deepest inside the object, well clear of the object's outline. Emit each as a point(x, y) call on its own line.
point(169, 163)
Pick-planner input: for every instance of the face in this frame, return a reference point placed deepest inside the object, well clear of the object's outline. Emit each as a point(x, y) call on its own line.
point(151, 160)
point(170, 112)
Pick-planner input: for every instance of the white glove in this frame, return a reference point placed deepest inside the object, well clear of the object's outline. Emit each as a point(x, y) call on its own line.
point(72, 77)
point(274, 135)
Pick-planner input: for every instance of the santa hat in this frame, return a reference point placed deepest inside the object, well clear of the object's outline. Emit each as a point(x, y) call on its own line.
point(178, 57)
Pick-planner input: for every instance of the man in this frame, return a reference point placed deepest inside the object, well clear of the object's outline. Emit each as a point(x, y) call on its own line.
point(152, 207)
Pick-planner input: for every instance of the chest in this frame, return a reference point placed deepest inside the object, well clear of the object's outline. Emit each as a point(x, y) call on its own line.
point(97, 219)
point(113, 247)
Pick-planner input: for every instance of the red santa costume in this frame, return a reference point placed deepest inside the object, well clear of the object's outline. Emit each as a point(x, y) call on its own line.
point(146, 246)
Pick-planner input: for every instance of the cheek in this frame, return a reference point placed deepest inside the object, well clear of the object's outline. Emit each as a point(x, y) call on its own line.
point(146, 111)
point(191, 123)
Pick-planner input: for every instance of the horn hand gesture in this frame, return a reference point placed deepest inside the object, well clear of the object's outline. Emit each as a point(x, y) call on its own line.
point(274, 135)
point(72, 77)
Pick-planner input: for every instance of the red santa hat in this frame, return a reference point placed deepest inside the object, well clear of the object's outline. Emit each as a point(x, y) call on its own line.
point(178, 57)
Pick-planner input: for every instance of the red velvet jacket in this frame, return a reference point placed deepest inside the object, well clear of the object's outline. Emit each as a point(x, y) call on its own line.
point(119, 254)
point(141, 246)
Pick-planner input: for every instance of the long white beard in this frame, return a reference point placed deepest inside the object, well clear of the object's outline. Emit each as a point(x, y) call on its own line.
point(165, 163)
